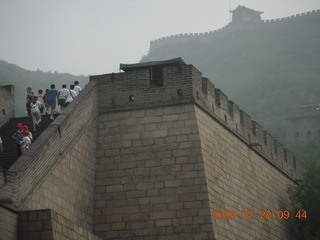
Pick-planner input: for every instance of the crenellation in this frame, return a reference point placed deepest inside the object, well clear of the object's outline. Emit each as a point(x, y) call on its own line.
point(245, 125)
point(257, 132)
point(7, 108)
point(234, 113)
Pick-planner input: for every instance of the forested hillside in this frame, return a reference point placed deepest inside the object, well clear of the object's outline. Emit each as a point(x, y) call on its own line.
point(11, 74)
point(265, 69)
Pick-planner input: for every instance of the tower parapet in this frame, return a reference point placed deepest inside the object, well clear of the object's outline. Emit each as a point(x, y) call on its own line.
point(7, 103)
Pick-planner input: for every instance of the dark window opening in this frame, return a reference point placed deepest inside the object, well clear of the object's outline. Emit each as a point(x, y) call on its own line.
point(156, 76)
point(308, 133)
point(297, 135)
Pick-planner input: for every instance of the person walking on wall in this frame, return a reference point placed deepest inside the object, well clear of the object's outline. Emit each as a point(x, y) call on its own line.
point(1, 145)
point(35, 113)
point(41, 101)
point(62, 96)
point(26, 129)
point(29, 100)
point(26, 142)
point(71, 95)
point(46, 104)
point(52, 99)
point(18, 135)
point(77, 88)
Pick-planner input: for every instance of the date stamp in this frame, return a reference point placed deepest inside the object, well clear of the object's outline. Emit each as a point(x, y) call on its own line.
point(249, 214)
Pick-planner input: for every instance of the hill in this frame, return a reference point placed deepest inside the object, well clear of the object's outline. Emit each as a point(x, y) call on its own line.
point(11, 74)
point(264, 67)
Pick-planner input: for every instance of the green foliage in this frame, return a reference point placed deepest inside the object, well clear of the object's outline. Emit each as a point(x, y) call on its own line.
point(11, 74)
point(306, 196)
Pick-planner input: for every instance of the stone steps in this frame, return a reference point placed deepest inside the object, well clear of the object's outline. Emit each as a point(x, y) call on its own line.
point(9, 155)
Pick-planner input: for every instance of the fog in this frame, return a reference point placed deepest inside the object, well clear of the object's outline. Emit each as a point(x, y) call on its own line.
point(93, 36)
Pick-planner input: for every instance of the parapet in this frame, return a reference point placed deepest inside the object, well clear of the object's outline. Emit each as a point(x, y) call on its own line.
point(7, 109)
point(181, 83)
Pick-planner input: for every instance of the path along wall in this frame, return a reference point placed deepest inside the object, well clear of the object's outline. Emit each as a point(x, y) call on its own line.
point(58, 171)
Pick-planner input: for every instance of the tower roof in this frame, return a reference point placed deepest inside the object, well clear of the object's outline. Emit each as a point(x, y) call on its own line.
point(134, 66)
point(244, 9)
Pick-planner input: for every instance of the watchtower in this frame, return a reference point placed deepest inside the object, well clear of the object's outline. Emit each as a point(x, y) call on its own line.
point(303, 123)
point(243, 14)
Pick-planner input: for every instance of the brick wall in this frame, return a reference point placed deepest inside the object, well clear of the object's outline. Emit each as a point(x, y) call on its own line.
point(115, 89)
point(150, 181)
point(49, 225)
point(8, 224)
point(241, 180)
point(69, 188)
point(6, 103)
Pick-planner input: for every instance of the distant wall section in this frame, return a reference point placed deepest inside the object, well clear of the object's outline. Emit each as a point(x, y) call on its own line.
point(230, 28)
point(303, 123)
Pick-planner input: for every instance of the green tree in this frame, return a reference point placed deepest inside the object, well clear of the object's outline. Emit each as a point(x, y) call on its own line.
point(306, 196)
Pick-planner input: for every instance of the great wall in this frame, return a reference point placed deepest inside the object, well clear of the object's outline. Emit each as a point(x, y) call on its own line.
point(230, 27)
point(149, 162)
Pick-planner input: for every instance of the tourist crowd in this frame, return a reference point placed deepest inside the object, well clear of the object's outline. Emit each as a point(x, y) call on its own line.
point(42, 104)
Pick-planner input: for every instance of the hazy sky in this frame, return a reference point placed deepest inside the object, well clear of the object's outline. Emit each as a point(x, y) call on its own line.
point(93, 36)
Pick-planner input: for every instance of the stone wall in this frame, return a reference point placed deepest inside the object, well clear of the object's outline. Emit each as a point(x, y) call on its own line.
point(49, 225)
point(8, 224)
point(150, 181)
point(6, 103)
point(166, 160)
point(241, 180)
point(69, 188)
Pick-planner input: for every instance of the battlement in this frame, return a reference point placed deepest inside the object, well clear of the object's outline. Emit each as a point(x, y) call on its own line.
point(184, 84)
point(7, 103)
point(154, 44)
point(303, 123)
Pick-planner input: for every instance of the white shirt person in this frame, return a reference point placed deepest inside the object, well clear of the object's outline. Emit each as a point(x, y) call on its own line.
point(71, 94)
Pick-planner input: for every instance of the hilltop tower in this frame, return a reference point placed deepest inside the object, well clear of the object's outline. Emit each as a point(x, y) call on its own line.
point(152, 153)
point(243, 14)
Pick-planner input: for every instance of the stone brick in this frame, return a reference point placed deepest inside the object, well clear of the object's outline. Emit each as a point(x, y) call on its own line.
point(163, 222)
